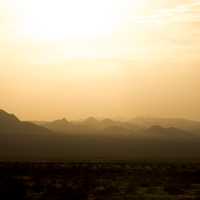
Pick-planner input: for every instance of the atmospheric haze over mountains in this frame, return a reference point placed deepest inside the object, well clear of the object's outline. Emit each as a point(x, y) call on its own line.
point(93, 139)
point(99, 99)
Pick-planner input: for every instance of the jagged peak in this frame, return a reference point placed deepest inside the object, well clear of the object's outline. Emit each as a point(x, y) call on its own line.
point(8, 116)
point(63, 121)
point(91, 119)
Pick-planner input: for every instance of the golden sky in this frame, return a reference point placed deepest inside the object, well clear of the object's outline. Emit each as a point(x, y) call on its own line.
point(108, 58)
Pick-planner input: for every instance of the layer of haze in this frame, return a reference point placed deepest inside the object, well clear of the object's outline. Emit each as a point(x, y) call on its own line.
point(108, 58)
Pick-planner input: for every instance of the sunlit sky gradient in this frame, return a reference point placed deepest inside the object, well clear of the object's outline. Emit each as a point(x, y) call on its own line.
point(108, 58)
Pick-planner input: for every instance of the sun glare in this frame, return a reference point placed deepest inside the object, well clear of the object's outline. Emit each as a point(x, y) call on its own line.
point(72, 19)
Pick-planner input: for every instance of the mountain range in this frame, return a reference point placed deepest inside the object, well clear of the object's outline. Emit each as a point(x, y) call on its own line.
point(92, 139)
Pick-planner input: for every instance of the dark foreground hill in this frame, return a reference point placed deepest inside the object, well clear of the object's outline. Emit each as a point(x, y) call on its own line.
point(10, 124)
point(26, 141)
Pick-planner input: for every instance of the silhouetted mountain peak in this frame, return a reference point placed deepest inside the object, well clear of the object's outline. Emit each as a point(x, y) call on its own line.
point(61, 121)
point(59, 125)
point(9, 123)
point(91, 121)
point(7, 117)
point(107, 121)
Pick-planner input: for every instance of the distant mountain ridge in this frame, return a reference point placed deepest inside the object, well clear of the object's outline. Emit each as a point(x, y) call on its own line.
point(90, 124)
point(180, 123)
point(90, 139)
point(136, 124)
point(60, 125)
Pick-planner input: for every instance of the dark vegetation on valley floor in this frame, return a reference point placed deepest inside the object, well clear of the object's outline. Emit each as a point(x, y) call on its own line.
point(100, 181)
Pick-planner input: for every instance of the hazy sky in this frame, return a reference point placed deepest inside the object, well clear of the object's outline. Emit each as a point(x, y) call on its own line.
point(108, 58)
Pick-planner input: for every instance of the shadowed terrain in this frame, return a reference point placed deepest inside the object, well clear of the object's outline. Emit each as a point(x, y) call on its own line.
point(93, 139)
point(100, 181)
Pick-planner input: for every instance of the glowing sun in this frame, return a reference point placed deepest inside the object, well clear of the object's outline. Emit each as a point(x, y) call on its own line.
point(60, 19)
